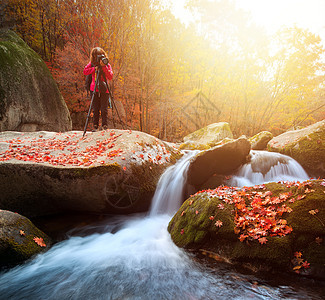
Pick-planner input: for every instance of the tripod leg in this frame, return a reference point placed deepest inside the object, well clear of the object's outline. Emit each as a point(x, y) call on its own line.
point(92, 101)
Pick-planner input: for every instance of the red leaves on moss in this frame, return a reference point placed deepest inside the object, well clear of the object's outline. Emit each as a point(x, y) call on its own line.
point(218, 223)
point(39, 241)
point(257, 212)
point(299, 263)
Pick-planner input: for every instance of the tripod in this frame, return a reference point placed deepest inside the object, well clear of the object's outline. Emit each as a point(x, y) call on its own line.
point(110, 98)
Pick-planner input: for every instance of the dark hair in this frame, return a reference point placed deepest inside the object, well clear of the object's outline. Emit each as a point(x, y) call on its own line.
point(93, 55)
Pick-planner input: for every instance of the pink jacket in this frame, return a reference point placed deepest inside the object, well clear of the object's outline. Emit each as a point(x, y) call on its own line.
point(91, 70)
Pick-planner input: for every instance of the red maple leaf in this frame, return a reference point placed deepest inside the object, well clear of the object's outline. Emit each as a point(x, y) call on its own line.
point(39, 241)
point(218, 223)
point(262, 240)
point(305, 264)
point(297, 254)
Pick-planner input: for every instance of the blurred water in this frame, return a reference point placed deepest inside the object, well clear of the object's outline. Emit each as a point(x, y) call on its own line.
point(268, 167)
point(133, 258)
point(169, 192)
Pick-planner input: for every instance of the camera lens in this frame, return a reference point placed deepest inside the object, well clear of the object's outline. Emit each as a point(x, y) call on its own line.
point(105, 60)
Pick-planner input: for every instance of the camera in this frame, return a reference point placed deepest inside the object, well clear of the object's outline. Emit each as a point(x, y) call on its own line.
point(102, 58)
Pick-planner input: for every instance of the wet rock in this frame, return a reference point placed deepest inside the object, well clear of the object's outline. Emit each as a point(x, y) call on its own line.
point(279, 226)
point(220, 160)
point(207, 137)
point(112, 171)
point(20, 239)
point(260, 140)
point(29, 97)
point(306, 146)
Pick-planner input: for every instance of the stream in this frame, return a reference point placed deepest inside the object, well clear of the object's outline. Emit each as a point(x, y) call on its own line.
point(133, 257)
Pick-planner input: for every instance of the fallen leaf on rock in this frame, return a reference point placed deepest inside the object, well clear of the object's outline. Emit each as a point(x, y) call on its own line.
point(218, 223)
point(313, 211)
point(262, 240)
point(39, 241)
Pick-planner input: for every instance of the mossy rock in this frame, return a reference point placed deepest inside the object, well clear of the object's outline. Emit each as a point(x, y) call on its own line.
point(260, 140)
point(190, 145)
point(306, 146)
point(263, 225)
point(29, 97)
point(207, 137)
point(195, 221)
point(20, 239)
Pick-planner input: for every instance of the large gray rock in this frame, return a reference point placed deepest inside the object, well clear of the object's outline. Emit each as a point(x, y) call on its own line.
point(220, 160)
point(29, 97)
point(20, 239)
point(306, 146)
point(107, 171)
point(207, 137)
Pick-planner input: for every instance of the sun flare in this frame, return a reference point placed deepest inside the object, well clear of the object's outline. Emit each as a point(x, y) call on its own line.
point(273, 15)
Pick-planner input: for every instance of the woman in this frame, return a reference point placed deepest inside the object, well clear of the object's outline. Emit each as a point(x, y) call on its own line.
point(100, 102)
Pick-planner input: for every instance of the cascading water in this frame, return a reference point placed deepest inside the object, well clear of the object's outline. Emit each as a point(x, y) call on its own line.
point(169, 191)
point(133, 258)
point(268, 167)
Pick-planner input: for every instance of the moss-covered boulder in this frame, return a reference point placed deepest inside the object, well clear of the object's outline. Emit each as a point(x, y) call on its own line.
point(260, 140)
point(223, 159)
point(112, 171)
point(20, 239)
point(207, 137)
point(278, 226)
point(306, 146)
point(29, 97)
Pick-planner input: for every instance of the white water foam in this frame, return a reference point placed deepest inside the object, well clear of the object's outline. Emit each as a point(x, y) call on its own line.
point(169, 192)
point(268, 167)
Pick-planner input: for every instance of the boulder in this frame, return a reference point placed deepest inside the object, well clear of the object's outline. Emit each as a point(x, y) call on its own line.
point(207, 137)
point(20, 239)
point(29, 97)
point(260, 140)
point(223, 159)
point(279, 226)
point(306, 146)
point(111, 171)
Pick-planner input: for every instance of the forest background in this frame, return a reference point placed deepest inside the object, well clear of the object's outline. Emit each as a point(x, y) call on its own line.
point(173, 77)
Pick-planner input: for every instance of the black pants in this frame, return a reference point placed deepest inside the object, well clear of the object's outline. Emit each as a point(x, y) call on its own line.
point(100, 106)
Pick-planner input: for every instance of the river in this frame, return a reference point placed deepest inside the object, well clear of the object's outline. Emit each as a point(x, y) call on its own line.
point(133, 257)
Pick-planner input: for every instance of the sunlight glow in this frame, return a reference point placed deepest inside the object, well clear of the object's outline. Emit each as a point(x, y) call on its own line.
point(274, 14)
point(277, 13)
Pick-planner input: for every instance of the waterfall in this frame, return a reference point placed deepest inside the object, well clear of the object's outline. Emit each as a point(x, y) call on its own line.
point(267, 166)
point(169, 192)
point(133, 257)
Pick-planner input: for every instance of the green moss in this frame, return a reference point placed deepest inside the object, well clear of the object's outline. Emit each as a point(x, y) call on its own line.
point(300, 218)
point(21, 247)
point(199, 214)
point(277, 251)
point(97, 170)
point(192, 227)
point(194, 146)
point(308, 150)
point(3, 105)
